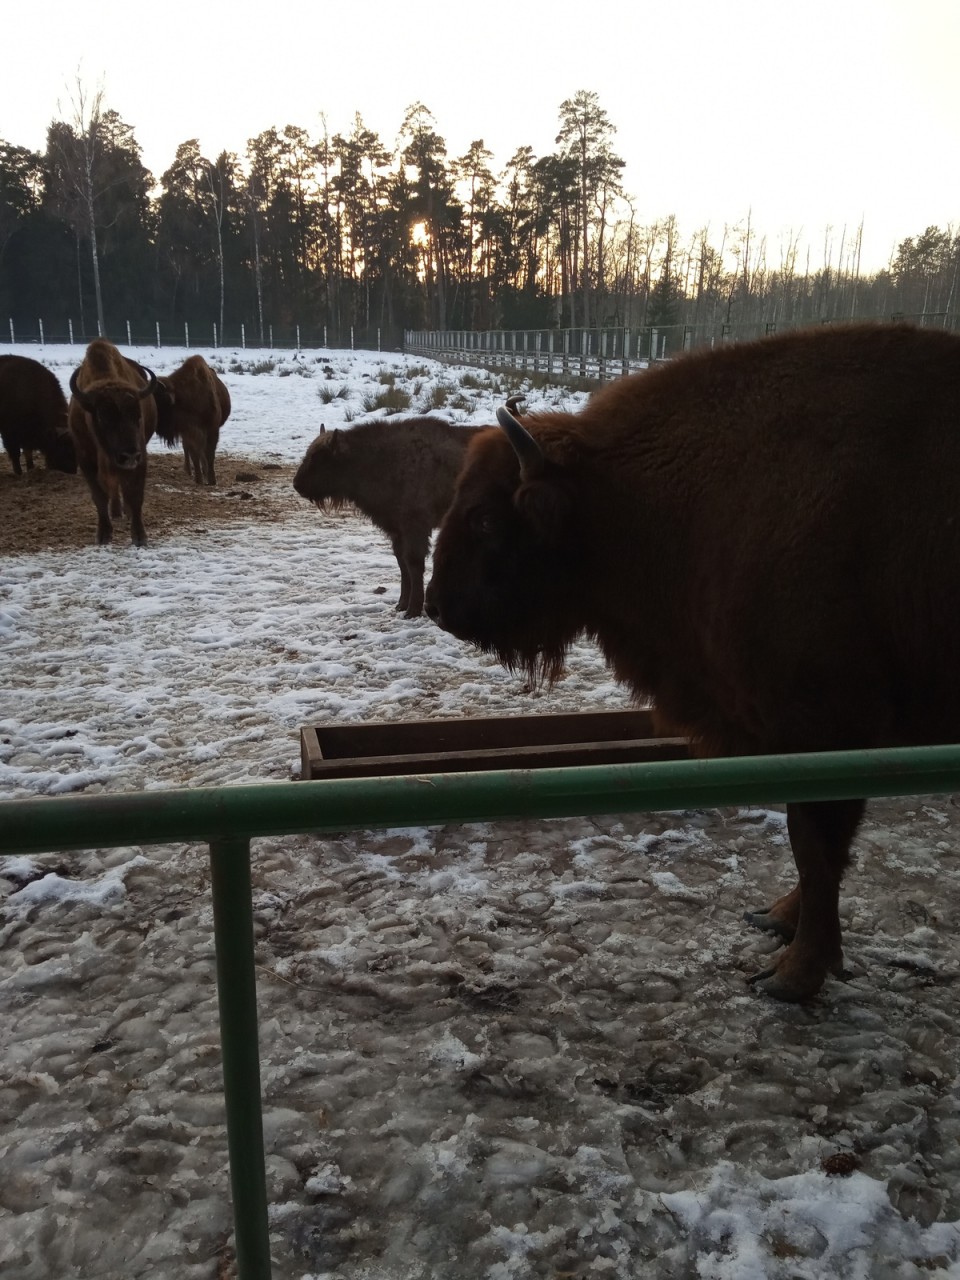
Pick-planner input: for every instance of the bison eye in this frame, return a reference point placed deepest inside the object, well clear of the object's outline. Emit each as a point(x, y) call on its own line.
point(483, 522)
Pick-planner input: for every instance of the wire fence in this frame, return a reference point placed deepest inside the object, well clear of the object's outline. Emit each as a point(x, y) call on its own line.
point(600, 354)
point(156, 333)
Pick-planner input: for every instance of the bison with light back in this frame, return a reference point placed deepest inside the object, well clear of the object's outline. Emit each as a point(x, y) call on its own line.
point(192, 405)
point(764, 539)
point(400, 472)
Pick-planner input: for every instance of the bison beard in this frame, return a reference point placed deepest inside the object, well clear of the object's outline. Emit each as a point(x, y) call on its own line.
point(763, 540)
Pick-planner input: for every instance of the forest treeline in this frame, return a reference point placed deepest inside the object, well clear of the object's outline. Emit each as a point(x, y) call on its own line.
point(343, 232)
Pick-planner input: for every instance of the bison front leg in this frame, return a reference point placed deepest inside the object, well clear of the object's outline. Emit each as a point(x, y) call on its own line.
point(209, 455)
point(14, 456)
point(820, 836)
point(192, 446)
point(133, 484)
point(411, 552)
point(101, 500)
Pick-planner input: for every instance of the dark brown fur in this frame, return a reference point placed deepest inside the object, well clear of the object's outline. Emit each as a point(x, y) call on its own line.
point(33, 415)
point(765, 540)
point(112, 416)
point(193, 404)
point(400, 472)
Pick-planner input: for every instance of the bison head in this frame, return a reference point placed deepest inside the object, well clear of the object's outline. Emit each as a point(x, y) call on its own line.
point(114, 411)
point(59, 453)
point(322, 474)
point(166, 411)
point(507, 566)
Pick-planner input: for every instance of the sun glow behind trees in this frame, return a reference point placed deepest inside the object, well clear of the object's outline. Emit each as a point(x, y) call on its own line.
point(344, 233)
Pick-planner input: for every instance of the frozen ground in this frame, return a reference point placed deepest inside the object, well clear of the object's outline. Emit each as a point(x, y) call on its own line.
point(491, 1051)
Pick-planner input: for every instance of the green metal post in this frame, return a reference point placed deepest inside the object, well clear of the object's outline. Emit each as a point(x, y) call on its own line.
point(237, 993)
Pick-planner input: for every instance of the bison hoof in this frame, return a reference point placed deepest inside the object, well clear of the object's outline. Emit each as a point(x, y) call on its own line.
point(793, 977)
point(770, 923)
point(770, 982)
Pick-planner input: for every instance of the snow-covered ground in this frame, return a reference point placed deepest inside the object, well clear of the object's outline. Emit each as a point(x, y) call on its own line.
point(491, 1051)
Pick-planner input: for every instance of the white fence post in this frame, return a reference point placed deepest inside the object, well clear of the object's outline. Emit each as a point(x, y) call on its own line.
point(378, 337)
point(70, 329)
point(129, 343)
point(41, 333)
point(298, 337)
point(243, 336)
point(271, 337)
point(214, 336)
point(12, 338)
point(186, 334)
point(351, 337)
point(158, 335)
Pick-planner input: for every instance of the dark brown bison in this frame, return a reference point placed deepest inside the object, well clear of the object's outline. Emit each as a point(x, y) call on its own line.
point(400, 473)
point(33, 415)
point(192, 406)
point(764, 539)
point(112, 415)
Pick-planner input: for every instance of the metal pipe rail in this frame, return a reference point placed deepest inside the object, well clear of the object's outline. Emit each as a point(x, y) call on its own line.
point(227, 818)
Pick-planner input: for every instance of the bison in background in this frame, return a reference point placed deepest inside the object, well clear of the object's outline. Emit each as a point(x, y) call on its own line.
point(192, 406)
point(400, 473)
point(764, 539)
point(33, 415)
point(112, 415)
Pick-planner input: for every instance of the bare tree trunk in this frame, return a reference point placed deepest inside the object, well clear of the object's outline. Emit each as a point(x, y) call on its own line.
point(80, 169)
point(257, 272)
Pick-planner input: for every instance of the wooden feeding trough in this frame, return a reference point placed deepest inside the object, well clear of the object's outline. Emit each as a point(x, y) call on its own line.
point(491, 742)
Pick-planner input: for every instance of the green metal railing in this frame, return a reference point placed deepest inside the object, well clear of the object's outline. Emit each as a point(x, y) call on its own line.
point(227, 818)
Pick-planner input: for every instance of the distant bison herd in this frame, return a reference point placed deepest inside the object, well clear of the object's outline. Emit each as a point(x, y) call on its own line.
point(116, 406)
point(763, 539)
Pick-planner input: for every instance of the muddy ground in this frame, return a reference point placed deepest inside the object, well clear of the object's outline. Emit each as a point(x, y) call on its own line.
point(43, 510)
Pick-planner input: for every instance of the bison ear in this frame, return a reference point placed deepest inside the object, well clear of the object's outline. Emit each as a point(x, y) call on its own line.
point(323, 429)
point(546, 507)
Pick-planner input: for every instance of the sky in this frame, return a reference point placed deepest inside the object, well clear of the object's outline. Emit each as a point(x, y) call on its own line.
point(806, 118)
point(491, 1050)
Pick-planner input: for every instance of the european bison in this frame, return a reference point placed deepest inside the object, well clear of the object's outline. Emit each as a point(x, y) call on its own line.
point(192, 406)
point(112, 415)
point(398, 472)
point(764, 539)
point(33, 415)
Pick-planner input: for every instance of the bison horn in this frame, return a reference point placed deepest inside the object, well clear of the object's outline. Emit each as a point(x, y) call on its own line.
point(83, 400)
point(514, 403)
point(524, 445)
point(148, 390)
